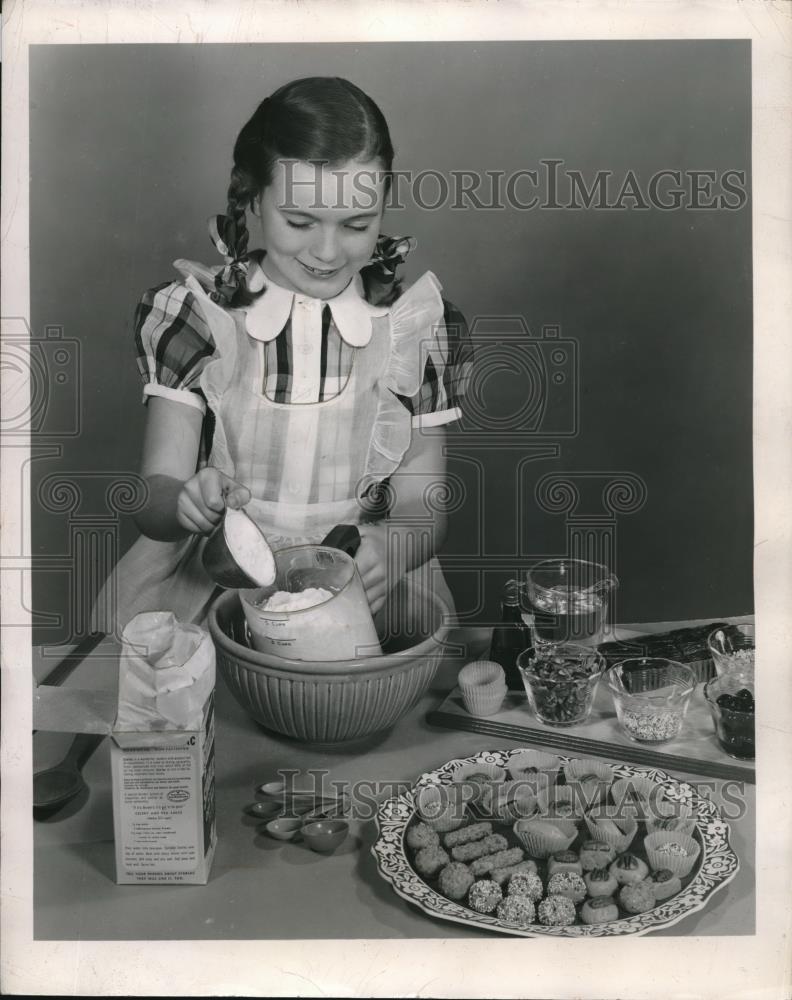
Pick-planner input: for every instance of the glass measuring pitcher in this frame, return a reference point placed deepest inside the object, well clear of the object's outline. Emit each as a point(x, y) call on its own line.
point(569, 600)
point(339, 628)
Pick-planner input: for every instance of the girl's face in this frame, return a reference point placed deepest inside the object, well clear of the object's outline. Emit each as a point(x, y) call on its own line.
point(320, 224)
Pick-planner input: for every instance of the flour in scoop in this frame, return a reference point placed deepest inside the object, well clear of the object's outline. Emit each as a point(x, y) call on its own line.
point(248, 547)
point(283, 600)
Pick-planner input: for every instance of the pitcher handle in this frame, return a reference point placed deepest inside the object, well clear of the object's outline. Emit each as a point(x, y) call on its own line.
point(345, 537)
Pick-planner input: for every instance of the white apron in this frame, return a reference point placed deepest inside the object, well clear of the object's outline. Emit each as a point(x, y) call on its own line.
point(305, 463)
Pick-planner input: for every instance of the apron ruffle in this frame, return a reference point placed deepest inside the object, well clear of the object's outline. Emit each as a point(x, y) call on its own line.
point(413, 320)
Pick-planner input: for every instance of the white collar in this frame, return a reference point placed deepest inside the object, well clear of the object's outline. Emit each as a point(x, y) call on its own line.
point(266, 317)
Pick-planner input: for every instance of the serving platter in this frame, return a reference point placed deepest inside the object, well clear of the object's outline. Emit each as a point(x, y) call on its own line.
point(716, 866)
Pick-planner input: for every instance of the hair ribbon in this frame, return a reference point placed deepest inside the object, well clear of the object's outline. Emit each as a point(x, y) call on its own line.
point(222, 232)
point(379, 275)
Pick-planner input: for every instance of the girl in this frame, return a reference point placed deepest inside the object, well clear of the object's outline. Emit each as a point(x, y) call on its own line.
point(299, 379)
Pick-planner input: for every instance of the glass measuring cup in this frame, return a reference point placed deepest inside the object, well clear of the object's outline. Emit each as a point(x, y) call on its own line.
point(338, 628)
point(569, 600)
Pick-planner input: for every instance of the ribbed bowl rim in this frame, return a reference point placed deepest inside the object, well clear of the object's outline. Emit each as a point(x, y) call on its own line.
point(264, 663)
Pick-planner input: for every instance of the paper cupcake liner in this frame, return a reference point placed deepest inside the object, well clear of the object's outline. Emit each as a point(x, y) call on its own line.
point(496, 682)
point(513, 800)
point(483, 697)
point(541, 843)
point(539, 782)
point(597, 791)
point(620, 838)
point(482, 701)
point(678, 865)
point(577, 768)
point(441, 807)
point(493, 771)
point(481, 672)
point(480, 797)
point(552, 800)
point(627, 806)
point(685, 816)
point(547, 765)
point(486, 688)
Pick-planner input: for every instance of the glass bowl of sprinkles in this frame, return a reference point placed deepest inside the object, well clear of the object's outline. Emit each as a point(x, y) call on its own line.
point(733, 649)
point(651, 697)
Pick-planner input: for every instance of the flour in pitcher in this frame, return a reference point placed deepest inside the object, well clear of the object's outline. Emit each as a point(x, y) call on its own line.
point(284, 600)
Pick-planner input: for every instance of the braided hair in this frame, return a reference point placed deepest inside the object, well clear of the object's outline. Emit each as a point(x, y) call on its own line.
point(324, 119)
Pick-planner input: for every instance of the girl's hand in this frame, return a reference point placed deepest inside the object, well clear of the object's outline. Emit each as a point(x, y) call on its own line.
point(379, 570)
point(203, 499)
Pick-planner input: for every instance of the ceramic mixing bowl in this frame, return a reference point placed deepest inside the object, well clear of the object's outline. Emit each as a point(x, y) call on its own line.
point(334, 701)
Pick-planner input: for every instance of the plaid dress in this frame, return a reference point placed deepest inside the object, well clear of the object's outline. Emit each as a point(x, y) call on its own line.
point(174, 345)
point(311, 404)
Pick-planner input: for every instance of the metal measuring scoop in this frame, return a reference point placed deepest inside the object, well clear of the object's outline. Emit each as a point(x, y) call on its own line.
point(225, 564)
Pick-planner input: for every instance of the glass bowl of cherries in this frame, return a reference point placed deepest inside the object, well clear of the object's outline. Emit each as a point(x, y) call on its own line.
point(731, 702)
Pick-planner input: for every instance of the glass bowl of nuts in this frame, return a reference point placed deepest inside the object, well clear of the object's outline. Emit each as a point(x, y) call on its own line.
point(561, 680)
point(651, 697)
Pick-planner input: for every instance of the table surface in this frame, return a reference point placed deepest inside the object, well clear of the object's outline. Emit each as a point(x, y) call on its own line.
point(262, 889)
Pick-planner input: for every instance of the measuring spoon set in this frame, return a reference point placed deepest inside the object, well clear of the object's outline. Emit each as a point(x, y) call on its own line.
point(289, 813)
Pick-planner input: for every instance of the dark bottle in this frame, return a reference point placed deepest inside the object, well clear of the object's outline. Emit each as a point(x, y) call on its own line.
point(512, 636)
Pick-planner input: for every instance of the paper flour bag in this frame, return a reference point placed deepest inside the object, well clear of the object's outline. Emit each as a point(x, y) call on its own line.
point(162, 754)
point(166, 673)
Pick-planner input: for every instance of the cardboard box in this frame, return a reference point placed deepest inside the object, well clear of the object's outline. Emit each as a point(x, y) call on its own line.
point(164, 804)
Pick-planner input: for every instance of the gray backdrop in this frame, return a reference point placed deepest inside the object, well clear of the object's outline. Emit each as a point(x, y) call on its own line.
point(130, 153)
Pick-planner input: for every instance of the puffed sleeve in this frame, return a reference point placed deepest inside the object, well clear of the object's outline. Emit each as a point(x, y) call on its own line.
point(446, 372)
point(173, 344)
